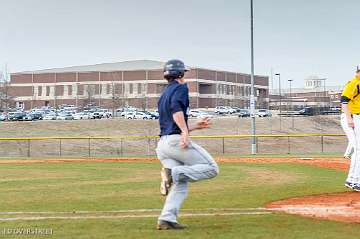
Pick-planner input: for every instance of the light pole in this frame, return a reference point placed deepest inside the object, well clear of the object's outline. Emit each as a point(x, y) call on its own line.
point(252, 96)
point(325, 93)
point(291, 105)
point(278, 74)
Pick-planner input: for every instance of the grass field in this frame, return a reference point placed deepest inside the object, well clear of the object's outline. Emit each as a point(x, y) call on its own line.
point(104, 189)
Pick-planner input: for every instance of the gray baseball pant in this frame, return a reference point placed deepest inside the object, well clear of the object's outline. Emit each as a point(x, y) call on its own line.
point(189, 164)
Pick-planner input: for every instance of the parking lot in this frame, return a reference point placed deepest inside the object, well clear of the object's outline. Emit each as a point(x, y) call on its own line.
point(70, 112)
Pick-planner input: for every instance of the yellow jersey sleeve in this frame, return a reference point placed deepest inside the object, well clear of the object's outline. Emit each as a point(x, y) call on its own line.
point(351, 90)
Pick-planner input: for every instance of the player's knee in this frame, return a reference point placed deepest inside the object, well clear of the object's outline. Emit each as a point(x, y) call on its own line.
point(215, 170)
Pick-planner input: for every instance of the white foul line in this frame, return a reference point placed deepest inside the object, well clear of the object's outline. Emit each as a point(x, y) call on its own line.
point(133, 210)
point(132, 216)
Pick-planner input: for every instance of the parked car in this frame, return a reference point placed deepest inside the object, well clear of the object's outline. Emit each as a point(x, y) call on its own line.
point(2, 117)
point(194, 113)
point(307, 111)
point(65, 116)
point(28, 117)
point(104, 113)
point(14, 116)
point(154, 114)
point(37, 116)
point(142, 115)
point(50, 117)
point(237, 109)
point(95, 115)
point(244, 113)
point(264, 113)
point(221, 110)
point(80, 116)
point(230, 110)
point(130, 115)
point(126, 111)
point(203, 114)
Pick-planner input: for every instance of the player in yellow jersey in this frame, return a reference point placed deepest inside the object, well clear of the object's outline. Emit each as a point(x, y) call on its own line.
point(350, 101)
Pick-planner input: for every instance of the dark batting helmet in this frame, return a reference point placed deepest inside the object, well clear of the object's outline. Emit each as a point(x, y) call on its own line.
point(174, 69)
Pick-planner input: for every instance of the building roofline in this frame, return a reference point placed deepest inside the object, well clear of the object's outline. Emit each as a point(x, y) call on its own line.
point(156, 65)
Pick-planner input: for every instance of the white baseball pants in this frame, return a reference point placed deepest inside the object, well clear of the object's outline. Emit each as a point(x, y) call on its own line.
point(350, 134)
point(187, 165)
point(354, 171)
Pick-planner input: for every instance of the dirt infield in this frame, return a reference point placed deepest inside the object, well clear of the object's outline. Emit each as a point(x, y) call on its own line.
point(339, 206)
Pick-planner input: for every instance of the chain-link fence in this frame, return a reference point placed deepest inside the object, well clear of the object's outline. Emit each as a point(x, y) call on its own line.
point(40, 147)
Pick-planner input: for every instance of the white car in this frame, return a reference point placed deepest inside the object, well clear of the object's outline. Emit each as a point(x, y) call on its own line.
point(264, 113)
point(142, 115)
point(154, 113)
point(130, 115)
point(195, 113)
point(104, 113)
point(125, 112)
point(50, 117)
point(80, 116)
point(66, 116)
point(206, 115)
point(230, 110)
point(221, 110)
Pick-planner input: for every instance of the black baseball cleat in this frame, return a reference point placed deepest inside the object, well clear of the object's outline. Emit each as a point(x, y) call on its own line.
point(349, 185)
point(166, 181)
point(356, 187)
point(165, 225)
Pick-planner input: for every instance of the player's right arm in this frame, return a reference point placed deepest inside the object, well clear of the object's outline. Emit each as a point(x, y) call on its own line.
point(177, 105)
point(350, 91)
point(346, 111)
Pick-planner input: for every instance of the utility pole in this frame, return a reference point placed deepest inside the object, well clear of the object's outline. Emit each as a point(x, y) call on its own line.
point(291, 105)
point(252, 95)
point(278, 74)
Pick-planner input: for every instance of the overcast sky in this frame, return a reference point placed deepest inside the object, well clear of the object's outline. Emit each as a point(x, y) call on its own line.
point(297, 38)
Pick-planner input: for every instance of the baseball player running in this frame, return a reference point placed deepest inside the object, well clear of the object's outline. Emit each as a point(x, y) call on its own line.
point(183, 161)
point(350, 100)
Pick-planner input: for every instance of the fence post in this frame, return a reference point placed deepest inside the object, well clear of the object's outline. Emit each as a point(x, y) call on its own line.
point(288, 144)
point(89, 148)
point(148, 146)
point(29, 149)
point(322, 144)
point(121, 147)
point(223, 145)
point(60, 147)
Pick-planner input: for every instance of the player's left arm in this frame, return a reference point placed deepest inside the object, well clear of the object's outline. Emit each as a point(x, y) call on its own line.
point(203, 123)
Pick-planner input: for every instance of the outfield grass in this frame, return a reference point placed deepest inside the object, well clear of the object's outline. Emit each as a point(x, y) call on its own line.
point(69, 187)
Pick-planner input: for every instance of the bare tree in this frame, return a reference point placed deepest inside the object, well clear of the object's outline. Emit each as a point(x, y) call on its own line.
point(6, 99)
point(116, 99)
point(89, 93)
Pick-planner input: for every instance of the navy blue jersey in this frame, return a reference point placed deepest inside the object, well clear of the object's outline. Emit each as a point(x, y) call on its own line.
point(175, 98)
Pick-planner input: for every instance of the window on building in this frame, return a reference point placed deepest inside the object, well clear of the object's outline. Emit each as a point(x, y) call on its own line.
point(47, 90)
point(39, 90)
point(130, 88)
point(20, 105)
point(139, 88)
point(73, 91)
